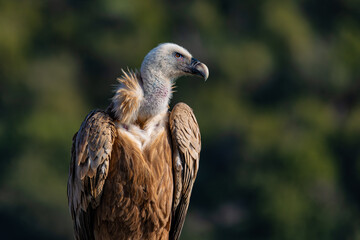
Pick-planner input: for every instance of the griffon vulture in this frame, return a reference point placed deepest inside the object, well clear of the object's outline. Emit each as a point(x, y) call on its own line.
point(133, 166)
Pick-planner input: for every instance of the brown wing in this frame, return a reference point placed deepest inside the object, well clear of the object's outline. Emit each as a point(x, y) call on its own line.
point(89, 166)
point(186, 153)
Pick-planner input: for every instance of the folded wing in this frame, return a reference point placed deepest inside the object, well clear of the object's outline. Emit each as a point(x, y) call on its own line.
point(186, 154)
point(89, 166)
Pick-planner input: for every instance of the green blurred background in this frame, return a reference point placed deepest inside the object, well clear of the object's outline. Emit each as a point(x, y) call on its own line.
point(279, 115)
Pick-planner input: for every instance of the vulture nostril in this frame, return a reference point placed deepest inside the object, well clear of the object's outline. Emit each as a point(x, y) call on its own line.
point(194, 62)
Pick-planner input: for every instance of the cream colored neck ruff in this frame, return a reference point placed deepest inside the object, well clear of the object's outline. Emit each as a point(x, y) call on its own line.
point(128, 98)
point(138, 100)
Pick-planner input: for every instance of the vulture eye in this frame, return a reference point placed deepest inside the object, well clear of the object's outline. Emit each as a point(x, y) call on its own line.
point(178, 55)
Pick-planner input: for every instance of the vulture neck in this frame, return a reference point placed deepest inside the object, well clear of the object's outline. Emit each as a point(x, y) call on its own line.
point(157, 95)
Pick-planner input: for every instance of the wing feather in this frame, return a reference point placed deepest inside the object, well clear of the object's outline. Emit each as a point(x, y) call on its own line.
point(186, 148)
point(90, 156)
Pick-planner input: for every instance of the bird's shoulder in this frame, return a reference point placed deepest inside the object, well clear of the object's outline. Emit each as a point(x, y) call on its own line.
point(185, 129)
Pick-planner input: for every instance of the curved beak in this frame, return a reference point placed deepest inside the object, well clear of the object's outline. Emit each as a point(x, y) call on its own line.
point(198, 68)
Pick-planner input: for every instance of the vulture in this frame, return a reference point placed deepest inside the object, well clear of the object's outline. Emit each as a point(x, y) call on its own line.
point(133, 165)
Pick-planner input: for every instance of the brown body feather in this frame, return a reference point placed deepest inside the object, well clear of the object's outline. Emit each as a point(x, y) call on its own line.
point(129, 178)
point(139, 191)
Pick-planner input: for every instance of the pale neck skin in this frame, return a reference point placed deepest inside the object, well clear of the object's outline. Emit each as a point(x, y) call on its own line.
point(159, 70)
point(157, 93)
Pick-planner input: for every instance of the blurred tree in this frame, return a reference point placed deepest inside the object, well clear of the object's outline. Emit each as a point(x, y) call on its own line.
point(279, 115)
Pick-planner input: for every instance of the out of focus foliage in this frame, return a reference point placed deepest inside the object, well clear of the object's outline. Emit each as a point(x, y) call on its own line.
point(279, 115)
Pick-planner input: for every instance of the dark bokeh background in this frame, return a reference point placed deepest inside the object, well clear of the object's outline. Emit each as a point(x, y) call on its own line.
point(279, 115)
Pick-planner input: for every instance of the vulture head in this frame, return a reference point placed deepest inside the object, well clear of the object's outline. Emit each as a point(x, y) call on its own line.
point(159, 70)
point(169, 61)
